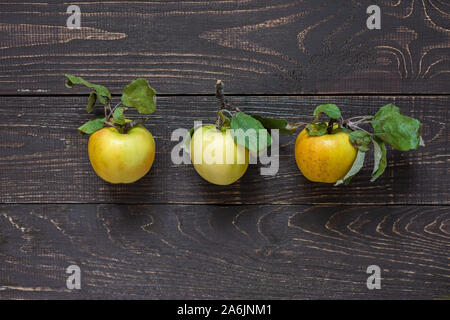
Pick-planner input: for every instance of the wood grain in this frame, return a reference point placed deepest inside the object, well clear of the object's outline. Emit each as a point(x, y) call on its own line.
point(44, 160)
point(174, 236)
point(222, 252)
point(257, 47)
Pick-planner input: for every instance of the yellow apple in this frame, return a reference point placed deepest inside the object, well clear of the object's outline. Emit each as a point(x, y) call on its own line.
point(121, 157)
point(325, 158)
point(216, 157)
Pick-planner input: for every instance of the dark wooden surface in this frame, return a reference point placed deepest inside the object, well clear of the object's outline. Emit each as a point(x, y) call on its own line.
point(279, 46)
point(40, 143)
point(172, 235)
point(198, 251)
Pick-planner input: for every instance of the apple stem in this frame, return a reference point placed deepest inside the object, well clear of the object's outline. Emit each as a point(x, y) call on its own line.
point(330, 125)
point(220, 95)
point(221, 118)
point(219, 122)
point(224, 105)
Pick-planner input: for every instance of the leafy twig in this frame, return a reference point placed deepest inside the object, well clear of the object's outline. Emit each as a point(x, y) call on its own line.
point(224, 105)
point(131, 124)
point(110, 110)
point(138, 94)
point(109, 124)
point(115, 107)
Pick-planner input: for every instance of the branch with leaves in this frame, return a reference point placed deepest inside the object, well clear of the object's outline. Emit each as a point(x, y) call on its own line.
point(389, 126)
point(231, 117)
point(138, 94)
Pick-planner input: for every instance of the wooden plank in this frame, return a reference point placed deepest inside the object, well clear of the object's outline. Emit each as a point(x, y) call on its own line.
point(283, 47)
point(222, 252)
point(44, 160)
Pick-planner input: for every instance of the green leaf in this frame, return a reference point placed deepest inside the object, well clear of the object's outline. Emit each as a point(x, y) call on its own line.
point(380, 161)
point(103, 94)
point(317, 129)
point(330, 110)
point(401, 132)
point(356, 167)
point(140, 95)
point(92, 125)
point(272, 123)
point(346, 130)
point(118, 115)
point(361, 139)
point(249, 135)
point(91, 102)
